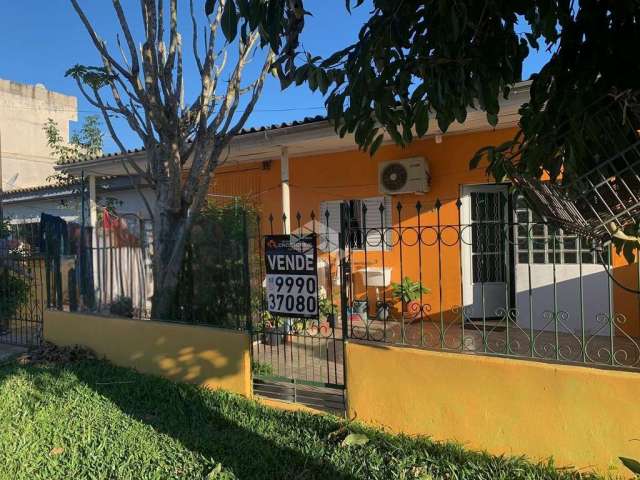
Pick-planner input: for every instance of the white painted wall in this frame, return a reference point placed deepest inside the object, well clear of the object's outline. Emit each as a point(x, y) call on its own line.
point(70, 208)
point(537, 289)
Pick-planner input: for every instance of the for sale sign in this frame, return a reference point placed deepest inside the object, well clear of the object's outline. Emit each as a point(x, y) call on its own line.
point(292, 275)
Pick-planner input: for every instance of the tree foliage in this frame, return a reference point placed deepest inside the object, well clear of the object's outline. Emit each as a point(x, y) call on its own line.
point(84, 144)
point(416, 63)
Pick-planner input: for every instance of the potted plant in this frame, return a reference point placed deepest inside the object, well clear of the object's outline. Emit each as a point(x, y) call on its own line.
point(327, 308)
point(409, 293)
point(273, 334)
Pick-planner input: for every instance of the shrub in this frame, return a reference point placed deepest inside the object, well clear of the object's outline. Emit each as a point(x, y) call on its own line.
point(14, 293)
point(259, 368)
point(122, 307)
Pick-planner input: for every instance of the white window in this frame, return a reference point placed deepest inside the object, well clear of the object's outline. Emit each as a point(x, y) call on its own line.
point(539, 242)
point(369, 222)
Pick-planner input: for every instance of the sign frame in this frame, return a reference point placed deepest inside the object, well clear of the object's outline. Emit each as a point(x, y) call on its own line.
point(291, 263)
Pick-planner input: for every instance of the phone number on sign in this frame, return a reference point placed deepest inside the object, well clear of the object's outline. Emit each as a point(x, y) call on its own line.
point(292, 294)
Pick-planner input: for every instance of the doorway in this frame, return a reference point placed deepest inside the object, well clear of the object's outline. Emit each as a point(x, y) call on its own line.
point(487, 263)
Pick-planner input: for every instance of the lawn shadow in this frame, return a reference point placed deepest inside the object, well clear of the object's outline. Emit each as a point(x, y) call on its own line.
point(246, 438)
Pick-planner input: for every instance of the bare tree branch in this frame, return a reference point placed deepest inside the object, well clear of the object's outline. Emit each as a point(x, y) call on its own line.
point(183, 145)
point(194, 24)
point(99, 44)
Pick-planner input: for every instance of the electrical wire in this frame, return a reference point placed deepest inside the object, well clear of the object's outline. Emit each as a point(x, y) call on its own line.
point(72, 110)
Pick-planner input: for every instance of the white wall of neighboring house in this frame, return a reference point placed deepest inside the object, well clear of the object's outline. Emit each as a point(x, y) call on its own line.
point(24, 109)
point(27, 206)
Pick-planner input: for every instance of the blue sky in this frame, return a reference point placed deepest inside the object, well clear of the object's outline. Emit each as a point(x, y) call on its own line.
point(40, 40)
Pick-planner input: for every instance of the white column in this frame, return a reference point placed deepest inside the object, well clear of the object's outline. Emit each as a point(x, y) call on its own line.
point(93, 206)
point(284, 181)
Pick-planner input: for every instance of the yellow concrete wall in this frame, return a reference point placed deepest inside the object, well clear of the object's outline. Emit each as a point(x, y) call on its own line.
point(583, 417)
point(211, 357)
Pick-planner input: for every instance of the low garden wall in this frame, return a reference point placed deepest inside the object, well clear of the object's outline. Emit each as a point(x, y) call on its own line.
point(211, 357)
point(583, 417)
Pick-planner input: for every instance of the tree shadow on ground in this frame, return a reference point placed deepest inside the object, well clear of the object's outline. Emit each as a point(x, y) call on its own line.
point(250, 440)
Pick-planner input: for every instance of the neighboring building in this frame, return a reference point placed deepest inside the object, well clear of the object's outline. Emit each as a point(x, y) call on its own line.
point(24, 110)
point(24, 206)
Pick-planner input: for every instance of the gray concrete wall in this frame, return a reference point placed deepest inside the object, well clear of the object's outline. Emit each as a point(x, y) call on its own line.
point(24, 109)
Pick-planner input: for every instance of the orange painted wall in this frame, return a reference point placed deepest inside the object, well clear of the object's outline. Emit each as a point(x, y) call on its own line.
point(353, 175)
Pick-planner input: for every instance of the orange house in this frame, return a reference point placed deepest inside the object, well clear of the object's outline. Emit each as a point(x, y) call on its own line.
point(483, 257)
point(303, 170)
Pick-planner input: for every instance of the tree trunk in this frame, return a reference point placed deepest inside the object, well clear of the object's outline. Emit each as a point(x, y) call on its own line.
point(169, 239)
point(170, 230)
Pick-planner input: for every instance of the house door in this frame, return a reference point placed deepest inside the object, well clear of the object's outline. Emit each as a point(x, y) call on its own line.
point(486, 260)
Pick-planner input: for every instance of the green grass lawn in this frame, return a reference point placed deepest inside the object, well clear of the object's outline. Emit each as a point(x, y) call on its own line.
point(93, 420)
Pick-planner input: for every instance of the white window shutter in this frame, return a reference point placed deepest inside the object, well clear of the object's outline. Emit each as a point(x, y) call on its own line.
point(378, 223)
point(328, 228)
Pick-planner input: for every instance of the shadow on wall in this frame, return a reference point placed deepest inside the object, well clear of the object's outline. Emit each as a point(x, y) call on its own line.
point(210, 357)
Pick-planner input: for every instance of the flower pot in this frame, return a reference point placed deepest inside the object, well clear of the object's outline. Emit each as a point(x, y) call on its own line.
point(412, 310)
point(382, 311)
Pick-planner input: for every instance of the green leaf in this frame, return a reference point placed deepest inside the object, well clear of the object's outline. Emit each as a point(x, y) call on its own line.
point(376, 144)
point(478, 156)
point(492, 118)
point(631, 464)
point(355, 439)
point(629, 252)
point(209, 6)
point(422, 119)
point(230, 20)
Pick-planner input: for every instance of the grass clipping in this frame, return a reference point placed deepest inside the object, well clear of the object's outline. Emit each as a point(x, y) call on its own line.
point(47, 353)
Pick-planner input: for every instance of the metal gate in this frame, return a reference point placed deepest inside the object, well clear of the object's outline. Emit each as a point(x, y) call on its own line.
point(22, 298)
point(302, 360)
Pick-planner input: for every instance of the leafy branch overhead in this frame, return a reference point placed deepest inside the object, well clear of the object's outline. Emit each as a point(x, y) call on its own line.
point(421, 65)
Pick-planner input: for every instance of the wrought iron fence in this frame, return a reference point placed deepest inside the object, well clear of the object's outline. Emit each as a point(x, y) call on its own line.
point(108, 269)
point(296, 359)
point(499, 281)
point(481, 274)
point(22, 297)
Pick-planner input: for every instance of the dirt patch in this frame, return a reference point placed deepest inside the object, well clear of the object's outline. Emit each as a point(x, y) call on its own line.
point(48, 353)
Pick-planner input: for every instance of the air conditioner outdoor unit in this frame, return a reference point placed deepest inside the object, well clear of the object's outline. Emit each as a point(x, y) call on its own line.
point(409, 175)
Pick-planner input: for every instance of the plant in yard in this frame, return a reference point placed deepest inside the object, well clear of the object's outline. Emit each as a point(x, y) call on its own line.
point(260, 368)
point(14, 293)
point(5, 229)
point(326, 307)
point(185, 132)
point(408, 290)
point(632, 465)
point(410, 294)
point(213, 285)
point(122, 306)
point(417, 62)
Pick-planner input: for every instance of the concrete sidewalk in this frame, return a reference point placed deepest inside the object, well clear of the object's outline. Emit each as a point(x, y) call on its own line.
point(7, 351)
